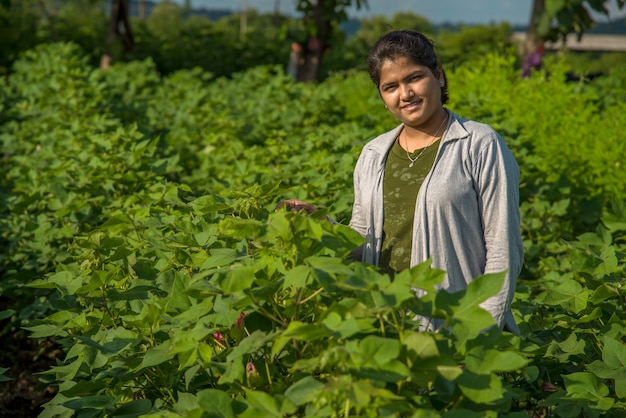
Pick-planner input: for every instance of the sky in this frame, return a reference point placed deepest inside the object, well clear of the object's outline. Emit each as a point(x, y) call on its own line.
point(516, 12)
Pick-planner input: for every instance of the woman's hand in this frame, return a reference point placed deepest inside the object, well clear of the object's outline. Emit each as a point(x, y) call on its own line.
point(295, 205)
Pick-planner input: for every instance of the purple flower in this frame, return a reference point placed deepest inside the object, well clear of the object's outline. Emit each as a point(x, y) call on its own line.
point(239, 321)
point(251, 369)
point(549, 387)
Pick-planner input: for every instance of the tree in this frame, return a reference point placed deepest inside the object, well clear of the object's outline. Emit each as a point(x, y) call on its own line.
point(469, 43)
point(119, 32)
point(554, 19)
point(321, 19)
point(372, 28)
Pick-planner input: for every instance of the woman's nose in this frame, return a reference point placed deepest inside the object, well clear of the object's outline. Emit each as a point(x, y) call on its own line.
point(406, 92)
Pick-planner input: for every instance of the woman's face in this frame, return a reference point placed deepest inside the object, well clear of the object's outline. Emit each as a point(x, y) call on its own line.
point(411, 92)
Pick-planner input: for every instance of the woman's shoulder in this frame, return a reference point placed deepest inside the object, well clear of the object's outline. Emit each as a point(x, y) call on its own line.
point(477, 131)
point(481, 141)
point(384, 138)
point(383, 141)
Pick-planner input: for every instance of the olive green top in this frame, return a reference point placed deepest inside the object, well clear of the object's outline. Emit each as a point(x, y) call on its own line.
point(400, 186)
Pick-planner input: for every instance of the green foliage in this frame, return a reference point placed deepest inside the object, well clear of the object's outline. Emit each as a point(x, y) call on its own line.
point(473, 43)
point(374, 27)
point(175, 43)
point(168, 36)
point(332, 11)
point(560, 17)
point(138, 232)
point(27, 23)
point(588, 64)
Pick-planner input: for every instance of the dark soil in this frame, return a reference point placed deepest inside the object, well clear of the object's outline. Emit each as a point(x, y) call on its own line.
point(24, 394)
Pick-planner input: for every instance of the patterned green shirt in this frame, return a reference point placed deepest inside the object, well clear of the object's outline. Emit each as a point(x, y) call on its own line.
point(400, 186)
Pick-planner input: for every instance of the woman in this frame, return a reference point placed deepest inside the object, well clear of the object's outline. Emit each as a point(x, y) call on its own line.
point(437, 186)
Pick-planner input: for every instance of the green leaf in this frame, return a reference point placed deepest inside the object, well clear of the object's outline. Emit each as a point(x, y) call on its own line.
point(427, 361)
point(234, 372)
point(464, 413)
point(331, 265)
point(608, 263)
point(552, 7)
point(251, 344)
point(41, 284)
point(615, 221)
point(614, 354)
point(563, 350)
point(585, 319)
point(484, 360)
point(88, 402)
point(133, 409)
point(569, 294)
point(481, 389)
point(46, 330)
point(156, 355)
point(84, 388)
point(613, 365)
point(66, 281)
point(305, 332)
point(220, 257)
point(374, 350)
point(343, 328)
point(4, 378)
point(531, 373)
point(421, 276)
point(585, 386)
point(299, 331)
point(602, 370)
point(602, 293)
point(464, 306)
point(188, 405)
point(238, 279)
point(304, 390)
point(297, 277)
point(261, 404)
point(217, 403)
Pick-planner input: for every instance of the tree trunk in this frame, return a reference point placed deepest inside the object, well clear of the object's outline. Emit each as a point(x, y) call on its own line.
point(311, 61)
point(243, 20)
point(317, 43)
point(142, 9)
point(530, 43)
point(118, 33)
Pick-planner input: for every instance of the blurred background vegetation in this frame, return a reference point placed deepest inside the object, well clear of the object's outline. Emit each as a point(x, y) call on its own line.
point(176, 36)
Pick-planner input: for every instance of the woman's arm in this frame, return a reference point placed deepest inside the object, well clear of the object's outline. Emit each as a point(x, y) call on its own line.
point(498, 198)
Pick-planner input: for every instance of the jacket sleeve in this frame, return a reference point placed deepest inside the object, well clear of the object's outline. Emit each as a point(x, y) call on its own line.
point(358, 219)
point(497, 182)
point(357, 222)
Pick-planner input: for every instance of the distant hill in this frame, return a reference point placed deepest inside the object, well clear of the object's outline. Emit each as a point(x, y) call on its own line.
point(212, 14)
point(617, 27)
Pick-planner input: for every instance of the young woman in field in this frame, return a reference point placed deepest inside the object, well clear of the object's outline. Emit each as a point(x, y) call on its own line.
point(437, 186)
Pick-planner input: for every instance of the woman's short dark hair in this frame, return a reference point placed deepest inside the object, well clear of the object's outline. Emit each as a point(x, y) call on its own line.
point(405, 44)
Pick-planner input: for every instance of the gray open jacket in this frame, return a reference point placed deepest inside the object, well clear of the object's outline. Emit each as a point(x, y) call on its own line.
point(467, 211)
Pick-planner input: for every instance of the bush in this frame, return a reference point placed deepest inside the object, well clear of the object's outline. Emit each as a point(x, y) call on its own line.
point(139, 234)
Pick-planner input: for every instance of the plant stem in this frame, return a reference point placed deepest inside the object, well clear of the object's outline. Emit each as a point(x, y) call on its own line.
point(263, 311)
point(317, 292)
point(267, 371)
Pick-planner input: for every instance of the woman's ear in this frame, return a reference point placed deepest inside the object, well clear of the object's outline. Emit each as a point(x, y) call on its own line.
point(441, 76)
